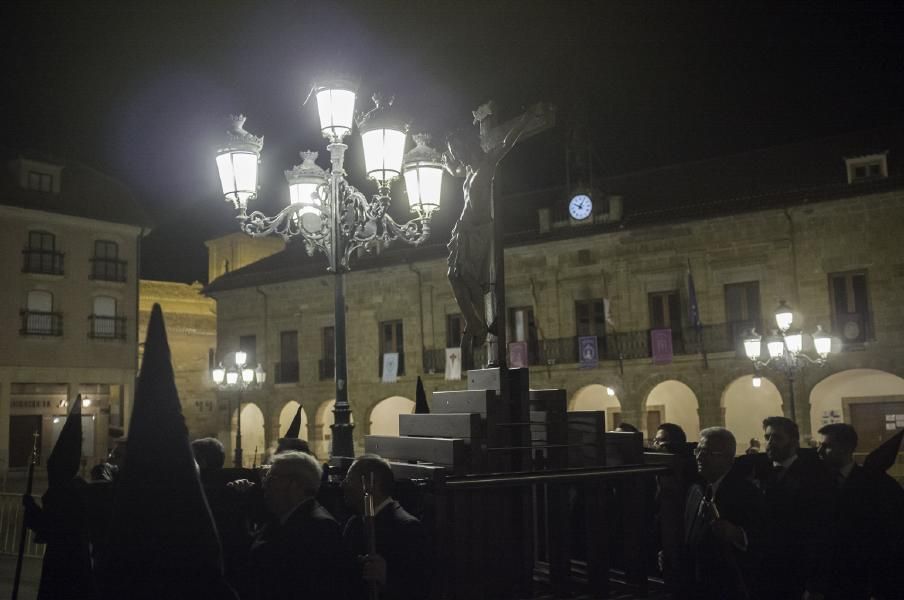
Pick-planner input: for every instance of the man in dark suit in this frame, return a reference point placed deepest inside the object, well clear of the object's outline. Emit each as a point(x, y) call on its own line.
point(400, 566)
point(870, 529)
point(299, 553)
point(800, 497)
point(723, 524)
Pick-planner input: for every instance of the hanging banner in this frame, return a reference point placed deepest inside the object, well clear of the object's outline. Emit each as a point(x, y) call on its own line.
point(453, 364)
point(661, 345)
point(390, 367)
point(588, 351)
point(517, 355)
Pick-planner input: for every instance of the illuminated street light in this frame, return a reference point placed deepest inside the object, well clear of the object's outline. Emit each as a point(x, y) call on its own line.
point(238, 379)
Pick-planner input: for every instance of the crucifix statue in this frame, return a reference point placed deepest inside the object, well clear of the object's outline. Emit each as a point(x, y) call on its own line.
point(476, 263)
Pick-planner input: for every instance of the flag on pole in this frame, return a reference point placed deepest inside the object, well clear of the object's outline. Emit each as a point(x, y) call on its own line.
point(693, 308)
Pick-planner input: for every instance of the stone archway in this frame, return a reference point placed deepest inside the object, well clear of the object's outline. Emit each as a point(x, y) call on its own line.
point(285, 419)
point(676, 403)
point(596, 397)
point(254, 448)
point(858, 397)
point(384, 417)
point(745, 407)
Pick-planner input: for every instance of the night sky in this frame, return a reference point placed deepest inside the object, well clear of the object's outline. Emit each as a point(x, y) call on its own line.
point(140, 89)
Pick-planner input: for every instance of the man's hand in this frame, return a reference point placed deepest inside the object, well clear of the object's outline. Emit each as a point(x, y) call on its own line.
point(374, 568)
point(240, 485)
point(730, 533)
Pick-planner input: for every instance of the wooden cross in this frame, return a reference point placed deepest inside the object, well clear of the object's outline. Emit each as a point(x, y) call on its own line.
point(540, 117)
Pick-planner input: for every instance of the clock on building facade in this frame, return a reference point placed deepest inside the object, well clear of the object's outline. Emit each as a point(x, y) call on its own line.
point(580, 207)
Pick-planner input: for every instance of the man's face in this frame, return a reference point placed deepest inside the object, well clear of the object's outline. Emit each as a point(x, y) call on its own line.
point(279, 490)
point(835, 455)
point(661, 441)
point(353, 490)
point(779, 445)
point(713, 459)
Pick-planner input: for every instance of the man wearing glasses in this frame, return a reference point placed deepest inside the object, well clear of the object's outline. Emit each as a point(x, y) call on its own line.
point(298, 554)
point(724, 517)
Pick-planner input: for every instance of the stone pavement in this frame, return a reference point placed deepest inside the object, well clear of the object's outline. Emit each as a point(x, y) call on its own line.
point(31, 575)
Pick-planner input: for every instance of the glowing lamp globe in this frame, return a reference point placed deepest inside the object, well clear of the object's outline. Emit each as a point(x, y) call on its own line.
point(383, 138)
point(336, 107)
point(423, 171)
point(783, 316)
point(237, 163)
point(795, 342)
point(753, 346)
point(822, 341)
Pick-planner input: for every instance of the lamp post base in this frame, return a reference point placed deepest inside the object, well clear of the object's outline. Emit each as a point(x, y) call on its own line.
point(237, 458)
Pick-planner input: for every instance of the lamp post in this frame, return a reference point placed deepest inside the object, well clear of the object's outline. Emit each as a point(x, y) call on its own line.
point(785, 349)
point(329, 214)
point(238, 379)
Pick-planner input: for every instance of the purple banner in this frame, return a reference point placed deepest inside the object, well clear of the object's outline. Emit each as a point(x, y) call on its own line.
point(517, 355)
point(661, 345)
point(588, 351)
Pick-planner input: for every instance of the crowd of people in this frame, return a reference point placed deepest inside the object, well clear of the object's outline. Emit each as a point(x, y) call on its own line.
point(792, 523)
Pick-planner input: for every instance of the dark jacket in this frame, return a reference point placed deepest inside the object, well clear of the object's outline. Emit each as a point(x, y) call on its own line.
point(716, 569)
point(299, 559)
point(401, 541)
point(868, 554)
point(801, 502)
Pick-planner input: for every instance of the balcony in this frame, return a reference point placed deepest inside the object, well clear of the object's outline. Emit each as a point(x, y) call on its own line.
point(46, 262)
point(285, 372)
point(627, 345)
point(108, 269)
point(106, 328)
point(35, 322)
point(326, 367)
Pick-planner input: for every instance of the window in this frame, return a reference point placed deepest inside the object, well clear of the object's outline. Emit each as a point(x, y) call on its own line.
point(287, 367)
point(742, 308)
point(863, 168)
point(327, 353)
point(104, 322)
point(523, 328)
point(665, 313)
point(248, 345)
point(40, 182)
point(391, 340)
point(850, 306)
point(105, 264)
point(38, 317)
point(455, 327)
point(590, 317)
point(40, 254)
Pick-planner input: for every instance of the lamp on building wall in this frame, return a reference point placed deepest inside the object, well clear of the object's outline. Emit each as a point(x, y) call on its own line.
point(785, 349)
point(238, 378)
point(328, 213)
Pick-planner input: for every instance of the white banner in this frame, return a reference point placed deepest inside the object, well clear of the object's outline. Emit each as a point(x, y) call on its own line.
point(390, 367)
point(453, 364)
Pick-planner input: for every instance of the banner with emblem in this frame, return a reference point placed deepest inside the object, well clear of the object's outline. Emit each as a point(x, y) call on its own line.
point(453, 364)
point(661, 345)
point(390, 367)
point(588, 350)
point(517, 355)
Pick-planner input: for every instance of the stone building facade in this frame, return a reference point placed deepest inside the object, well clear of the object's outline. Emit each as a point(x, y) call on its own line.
point(816, 225)
point(70, 239)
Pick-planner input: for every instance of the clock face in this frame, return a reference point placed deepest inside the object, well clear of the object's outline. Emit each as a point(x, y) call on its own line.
point(580, 207)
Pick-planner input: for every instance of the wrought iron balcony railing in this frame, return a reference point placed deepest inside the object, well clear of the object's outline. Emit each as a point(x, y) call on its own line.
point(106, 328)
point(36, 322)
point(109, 269)
point(285, 372)
point(47, 262)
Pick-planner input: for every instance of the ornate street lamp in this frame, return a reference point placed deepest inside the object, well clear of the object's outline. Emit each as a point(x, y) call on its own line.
point(238, 378)
point(785, 349)
point(332, 216)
